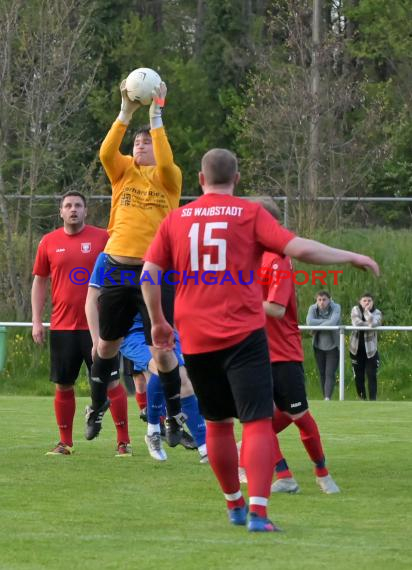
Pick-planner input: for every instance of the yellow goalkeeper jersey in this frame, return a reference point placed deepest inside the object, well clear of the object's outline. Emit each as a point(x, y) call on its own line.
point(141, 195)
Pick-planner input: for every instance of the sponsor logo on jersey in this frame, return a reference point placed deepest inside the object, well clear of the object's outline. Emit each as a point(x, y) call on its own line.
point(60, 249)
point(86, 247)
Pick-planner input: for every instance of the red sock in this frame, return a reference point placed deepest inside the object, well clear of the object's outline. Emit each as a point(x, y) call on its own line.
point(118, 409)
point(259, 457)
point(222, 454)
point(141, 400)
point(278, 453)
point(280, 421)
point(309, 434)
point(64, 408)
point(242, 456)
point(279, 459)
point(281, 467)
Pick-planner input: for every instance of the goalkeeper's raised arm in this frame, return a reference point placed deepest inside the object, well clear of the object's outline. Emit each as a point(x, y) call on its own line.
point(168, 172)
point(114, 162)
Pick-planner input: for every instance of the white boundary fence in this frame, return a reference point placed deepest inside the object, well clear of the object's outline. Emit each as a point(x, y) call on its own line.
point(342, 330)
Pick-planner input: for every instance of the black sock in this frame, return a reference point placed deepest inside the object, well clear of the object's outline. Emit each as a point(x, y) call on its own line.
point(104, 370)
point(171, 387)
point(98, 393)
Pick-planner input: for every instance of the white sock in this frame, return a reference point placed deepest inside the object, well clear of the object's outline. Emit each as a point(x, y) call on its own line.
point(153, 428)
point(202, 450)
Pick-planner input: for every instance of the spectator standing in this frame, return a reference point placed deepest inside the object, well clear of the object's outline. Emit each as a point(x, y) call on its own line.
point(363, 346)
point(325, 312)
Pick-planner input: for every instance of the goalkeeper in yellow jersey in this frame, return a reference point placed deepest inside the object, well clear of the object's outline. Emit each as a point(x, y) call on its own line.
point(145, 188)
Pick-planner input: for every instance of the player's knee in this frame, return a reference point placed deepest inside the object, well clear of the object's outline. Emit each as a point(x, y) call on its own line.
point(106, 369)
point(107, 349)
point(186, 388)
point(152, 366)
point(140, 382)
point(165, 360)
point(64, 387)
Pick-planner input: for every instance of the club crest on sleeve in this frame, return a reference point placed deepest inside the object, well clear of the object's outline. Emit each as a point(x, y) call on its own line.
point(86, 247)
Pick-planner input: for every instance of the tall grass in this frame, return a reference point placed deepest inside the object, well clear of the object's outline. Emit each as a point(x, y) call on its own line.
point(27, 367)
point(392, 290)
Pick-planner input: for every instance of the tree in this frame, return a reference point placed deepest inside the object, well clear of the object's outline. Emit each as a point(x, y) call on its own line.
point(46, 73)
point(296, 139)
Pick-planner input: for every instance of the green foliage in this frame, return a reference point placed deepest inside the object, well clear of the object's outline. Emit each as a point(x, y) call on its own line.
point(383, 29)
point(190, 97)
point(382, 46)
point(225, 47)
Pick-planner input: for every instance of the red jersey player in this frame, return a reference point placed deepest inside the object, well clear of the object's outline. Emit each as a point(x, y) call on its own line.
point(286, 357)
point(66, 257)
point(214, 244)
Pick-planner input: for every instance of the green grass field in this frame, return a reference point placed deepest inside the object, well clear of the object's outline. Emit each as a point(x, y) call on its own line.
point(94, 511)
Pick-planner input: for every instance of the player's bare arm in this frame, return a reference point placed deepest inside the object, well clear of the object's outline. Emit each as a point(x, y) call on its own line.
point(38, 299)
point(274, 310)
point(312, 251)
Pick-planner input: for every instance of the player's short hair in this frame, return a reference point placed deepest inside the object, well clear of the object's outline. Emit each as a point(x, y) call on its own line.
point(73, 193)
point(322, 293)
point(270, 206)
point(219, 166)
point(142, 130)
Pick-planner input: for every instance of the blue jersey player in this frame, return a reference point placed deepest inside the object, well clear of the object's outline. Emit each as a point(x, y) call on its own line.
point(135, 349)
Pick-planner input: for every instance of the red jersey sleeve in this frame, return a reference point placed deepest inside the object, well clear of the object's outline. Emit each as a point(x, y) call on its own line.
point(269, 233)
point(280, 290)
point(41, 263)
point(159, 251)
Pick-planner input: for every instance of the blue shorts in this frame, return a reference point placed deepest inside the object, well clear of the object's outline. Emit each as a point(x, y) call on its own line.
point(134, 348)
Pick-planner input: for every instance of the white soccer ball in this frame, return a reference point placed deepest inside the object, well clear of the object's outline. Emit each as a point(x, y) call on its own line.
point(140, 84)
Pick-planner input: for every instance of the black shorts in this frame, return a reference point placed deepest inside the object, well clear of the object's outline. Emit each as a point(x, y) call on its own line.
point(289, 392)
point(68, 351)
point(235, 381)
point(121, 299)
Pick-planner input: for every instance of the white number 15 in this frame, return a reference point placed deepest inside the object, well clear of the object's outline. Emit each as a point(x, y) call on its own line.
point(220, 243)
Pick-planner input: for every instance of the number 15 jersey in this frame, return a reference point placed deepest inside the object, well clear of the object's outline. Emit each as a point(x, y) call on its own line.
point(213, 248)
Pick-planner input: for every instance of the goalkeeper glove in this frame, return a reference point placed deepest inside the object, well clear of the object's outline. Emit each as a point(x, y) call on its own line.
point(128, 107)
point(155, 111)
